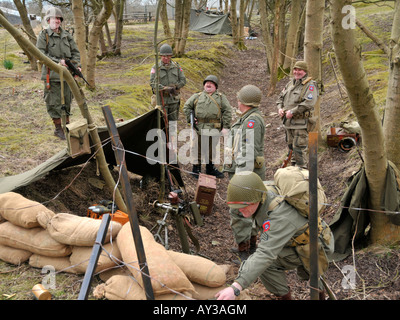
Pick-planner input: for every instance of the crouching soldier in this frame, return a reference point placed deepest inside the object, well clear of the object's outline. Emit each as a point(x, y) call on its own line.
point(283, 242)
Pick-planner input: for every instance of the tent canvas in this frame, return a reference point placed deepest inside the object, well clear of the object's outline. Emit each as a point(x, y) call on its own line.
point(209, 23)
point(133, 136)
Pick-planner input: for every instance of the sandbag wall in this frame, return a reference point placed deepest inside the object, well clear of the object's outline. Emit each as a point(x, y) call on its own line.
point(31, 232)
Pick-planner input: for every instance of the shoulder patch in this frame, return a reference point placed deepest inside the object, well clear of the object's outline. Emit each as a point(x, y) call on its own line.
point(250, 124)
point(266, 225)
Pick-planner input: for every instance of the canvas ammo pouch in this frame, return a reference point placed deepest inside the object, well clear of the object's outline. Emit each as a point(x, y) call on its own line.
point(77, 135)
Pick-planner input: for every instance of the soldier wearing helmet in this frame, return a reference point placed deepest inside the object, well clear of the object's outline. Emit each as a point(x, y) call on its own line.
point(295, 106)
point(57, 44)
point(281, 227)
point(245, 152)
point(213, 116)
point(171, 80)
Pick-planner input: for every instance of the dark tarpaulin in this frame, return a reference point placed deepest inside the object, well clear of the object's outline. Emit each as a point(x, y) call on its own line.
point(133, 136)
point(350, 222)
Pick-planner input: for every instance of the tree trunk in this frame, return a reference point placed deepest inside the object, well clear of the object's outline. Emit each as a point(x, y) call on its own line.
point(242, 11)
point(93, 44)
point(119, 8)
point(291, 43)
point(391, 122)
point(279, 10)
point(185, 18)
point(374, 38)
point(313, 51)
point(80, 32)
point(23, 13)
point(165, 23)
point(348, 54)
point(234, 24)
point(266, 35)
point(80, 100)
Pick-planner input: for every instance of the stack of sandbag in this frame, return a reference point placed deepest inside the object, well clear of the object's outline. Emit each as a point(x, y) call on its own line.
point(174, 275)
point(64, 241)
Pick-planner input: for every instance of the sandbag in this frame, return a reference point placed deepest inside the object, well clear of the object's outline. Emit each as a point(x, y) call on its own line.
point(35, 240)
point(78, 231)
point(13, 255)
point(20, 210)
point(59, 263)
point(120, 287)
point(44, 218)
point(80, 257)
point(198, 269)
point(165, 274)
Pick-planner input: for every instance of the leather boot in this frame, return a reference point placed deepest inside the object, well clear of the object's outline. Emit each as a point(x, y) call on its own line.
point(287, 296)
point(58, 131)
point(211, 170)
point(196, 170)
point(243, 252)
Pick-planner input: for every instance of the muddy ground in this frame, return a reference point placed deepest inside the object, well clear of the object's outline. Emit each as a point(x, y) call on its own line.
point(377, 268)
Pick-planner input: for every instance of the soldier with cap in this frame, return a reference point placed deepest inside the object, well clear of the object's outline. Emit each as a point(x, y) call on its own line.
point(295, 107)
point(283, 240)
point(212, 116)
point(58, 45)
point(171, 80)
point(245, 152)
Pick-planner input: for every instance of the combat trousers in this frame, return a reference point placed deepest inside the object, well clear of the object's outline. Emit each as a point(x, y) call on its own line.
point(274, 277)
point(298, 138)
point(52, 97)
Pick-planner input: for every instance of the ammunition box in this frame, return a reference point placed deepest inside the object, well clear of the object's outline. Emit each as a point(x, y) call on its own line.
point(205, 193)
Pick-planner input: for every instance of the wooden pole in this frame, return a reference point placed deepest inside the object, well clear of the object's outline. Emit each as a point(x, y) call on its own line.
point(313, 217)
point(133, 219)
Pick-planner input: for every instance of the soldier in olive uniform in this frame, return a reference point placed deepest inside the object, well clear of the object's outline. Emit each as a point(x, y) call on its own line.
point(212, 116)
point(245, 152)
point(295, 106)
point(58, 45)
point(171, 80)
point(279, 249)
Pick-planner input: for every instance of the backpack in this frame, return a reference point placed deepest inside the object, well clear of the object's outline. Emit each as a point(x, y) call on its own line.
point(292, 184)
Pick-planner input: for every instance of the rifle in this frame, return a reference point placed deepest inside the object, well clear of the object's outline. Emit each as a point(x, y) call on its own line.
point(192, 123)
point(288, 158)
point(74, 70)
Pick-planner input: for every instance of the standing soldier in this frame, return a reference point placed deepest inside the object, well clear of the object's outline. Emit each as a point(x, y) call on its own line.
point(245, 150)
point(58, 45)
point(171, 80)
point(283, 242)
point(295, 106)
point(212, 114)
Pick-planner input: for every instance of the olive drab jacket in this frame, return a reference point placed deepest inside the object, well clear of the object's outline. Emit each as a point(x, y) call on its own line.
point(211, 111)
point(298, 96)
point(57, 46)
point(170, 76)
point(279, 226)
point(245, 145)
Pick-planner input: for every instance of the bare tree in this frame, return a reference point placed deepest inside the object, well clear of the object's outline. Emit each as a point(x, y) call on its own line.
point(348, 54)
point(23, 13)
point(392, 113)
point(93, 43)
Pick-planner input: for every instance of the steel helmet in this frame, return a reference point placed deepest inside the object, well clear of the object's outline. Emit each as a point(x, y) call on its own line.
point(54, 12)
point(245, 188)
point(211, 78)
point(301, 65)
point(165, 50)
point(250, 95)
